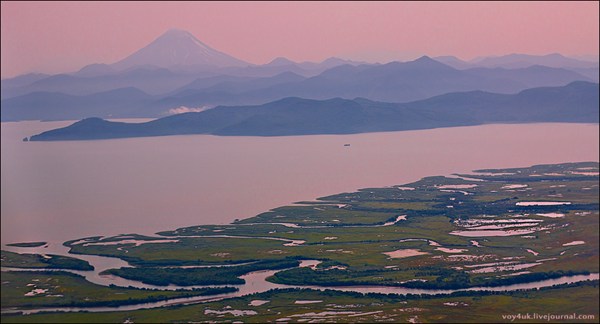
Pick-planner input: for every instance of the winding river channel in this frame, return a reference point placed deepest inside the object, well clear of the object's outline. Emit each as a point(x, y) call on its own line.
point(256, 282)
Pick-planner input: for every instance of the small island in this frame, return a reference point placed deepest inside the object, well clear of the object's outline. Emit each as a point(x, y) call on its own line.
point(27, 244)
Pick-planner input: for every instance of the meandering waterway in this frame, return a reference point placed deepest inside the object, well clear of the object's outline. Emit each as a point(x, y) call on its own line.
point(256, 283)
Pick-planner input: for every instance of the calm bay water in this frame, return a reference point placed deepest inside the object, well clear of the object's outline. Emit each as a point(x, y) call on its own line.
point(57, 191)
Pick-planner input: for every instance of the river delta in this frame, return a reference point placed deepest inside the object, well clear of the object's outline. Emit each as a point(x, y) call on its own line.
point(486, 242)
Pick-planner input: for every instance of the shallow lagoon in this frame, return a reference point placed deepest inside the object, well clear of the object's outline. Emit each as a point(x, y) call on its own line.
point(58, 191)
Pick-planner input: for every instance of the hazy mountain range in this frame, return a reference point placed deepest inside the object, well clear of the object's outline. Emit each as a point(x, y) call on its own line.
point(518, 61)
point(179, 73)
point(173, 60)
point(575, 102)
point(588, 69)
point(392, 82)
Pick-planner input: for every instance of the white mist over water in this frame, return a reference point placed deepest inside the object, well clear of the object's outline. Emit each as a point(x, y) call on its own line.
point(56, 191)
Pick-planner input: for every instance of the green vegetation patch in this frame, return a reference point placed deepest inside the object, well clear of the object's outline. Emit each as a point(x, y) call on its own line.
point(32, 289)
point(188, 251)
point(199, 276)
point(321, 215)
point(302, 305)
point(48, 261)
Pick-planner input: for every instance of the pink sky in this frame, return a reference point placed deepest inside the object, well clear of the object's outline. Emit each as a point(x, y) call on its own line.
point(57, 37)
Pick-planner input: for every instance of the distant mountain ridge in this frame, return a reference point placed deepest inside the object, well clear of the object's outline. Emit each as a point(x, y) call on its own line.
point(513, 61)
point(576, 102)
point(525, 60)
point(393, 82)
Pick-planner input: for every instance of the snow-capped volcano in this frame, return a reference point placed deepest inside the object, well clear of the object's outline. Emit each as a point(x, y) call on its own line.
point(178, 48)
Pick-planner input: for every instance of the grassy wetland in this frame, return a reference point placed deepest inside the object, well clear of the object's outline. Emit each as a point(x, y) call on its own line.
point(485, 229)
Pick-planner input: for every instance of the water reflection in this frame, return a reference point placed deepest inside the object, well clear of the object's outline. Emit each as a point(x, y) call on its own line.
point(58, 191)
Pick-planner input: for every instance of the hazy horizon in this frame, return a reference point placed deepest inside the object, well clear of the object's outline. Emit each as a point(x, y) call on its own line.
point(63, 37)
